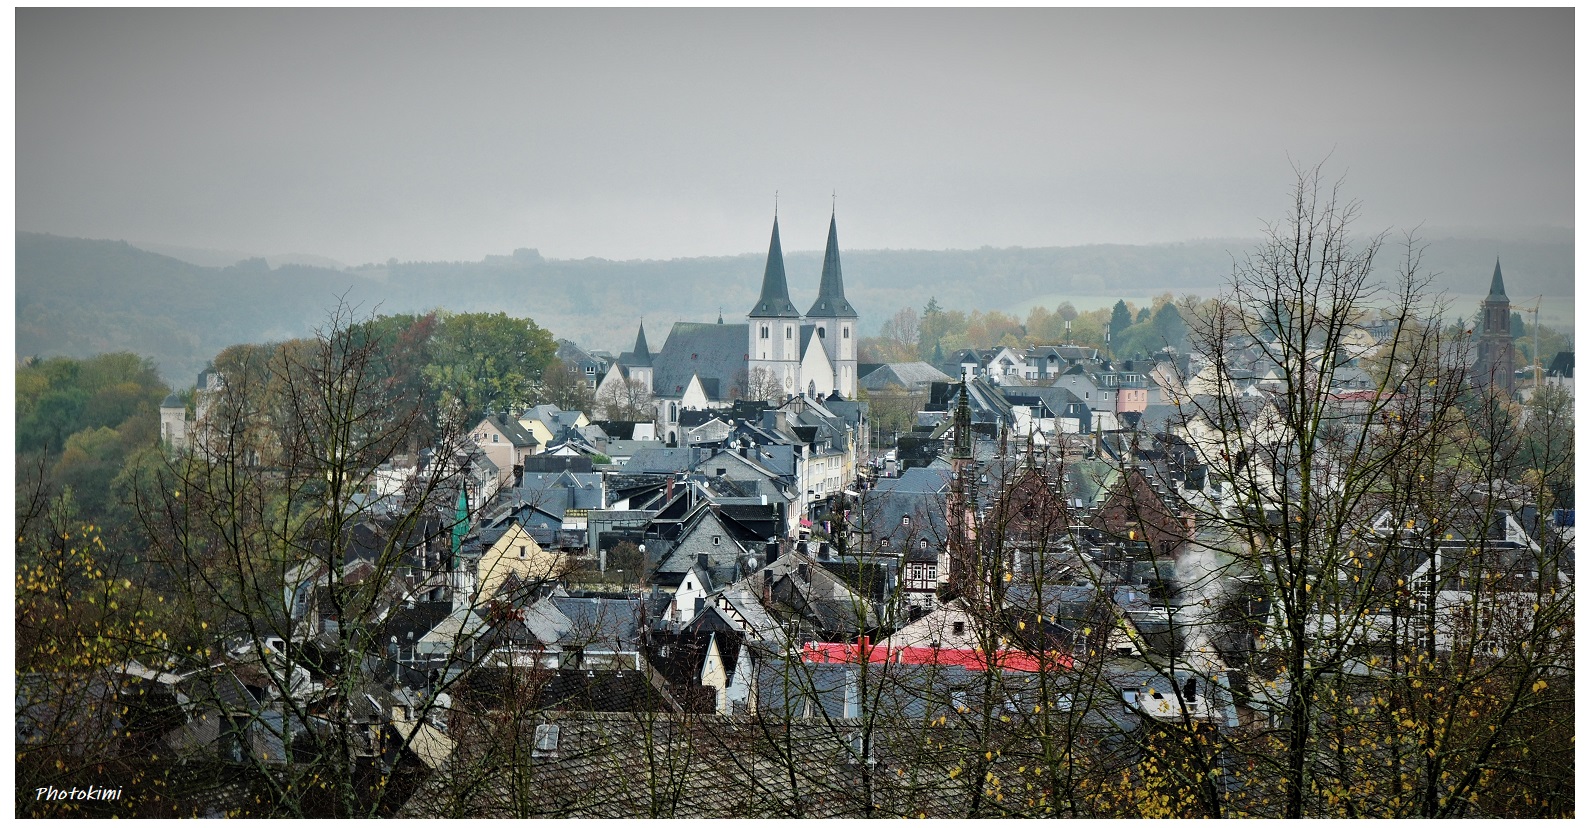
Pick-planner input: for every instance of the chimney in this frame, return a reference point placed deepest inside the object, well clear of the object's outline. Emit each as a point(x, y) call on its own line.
point(805, 571)
point(701, 559)
point(767, 587)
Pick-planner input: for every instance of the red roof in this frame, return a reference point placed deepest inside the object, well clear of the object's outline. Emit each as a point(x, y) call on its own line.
point(1015, 660)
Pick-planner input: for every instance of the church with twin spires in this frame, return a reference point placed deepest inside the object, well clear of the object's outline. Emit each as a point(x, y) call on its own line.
point(777, 354)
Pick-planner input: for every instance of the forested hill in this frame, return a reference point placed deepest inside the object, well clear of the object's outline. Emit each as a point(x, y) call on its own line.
point(79, 297)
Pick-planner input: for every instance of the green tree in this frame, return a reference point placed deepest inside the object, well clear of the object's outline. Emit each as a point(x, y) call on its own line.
point(1169, 327)
point(1120, 319)
point(485, 362)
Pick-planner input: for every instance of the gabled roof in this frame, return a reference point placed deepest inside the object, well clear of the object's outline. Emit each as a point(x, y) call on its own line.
point(511, 430)
point(557, 492)
point(1562, 365)
point(910, 375)
point(714, 353)
point(599, 623)
point(775, 299)
point(831, 302)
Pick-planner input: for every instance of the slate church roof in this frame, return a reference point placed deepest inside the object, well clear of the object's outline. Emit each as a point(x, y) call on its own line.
point(775, 298)
point(1497, 291)
point(831, 302)
point(716, 353)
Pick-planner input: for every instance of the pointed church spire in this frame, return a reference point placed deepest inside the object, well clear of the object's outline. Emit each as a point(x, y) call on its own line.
point(962, 448)
point(775, 299)
point(831, 301)
point(641, 356)
point(1497, 283)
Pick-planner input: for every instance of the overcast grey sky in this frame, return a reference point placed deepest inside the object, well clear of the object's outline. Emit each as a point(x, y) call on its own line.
point(425, 134)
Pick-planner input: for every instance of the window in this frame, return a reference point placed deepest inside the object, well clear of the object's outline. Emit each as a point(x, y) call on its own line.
point(845, 332)
point(717, 540)
point(546, 741)
point(763, 333)
point(958, 628)
point(521, 551)
point(822, 334)
point(925, 543)
point(494, 438)
point(789, 333)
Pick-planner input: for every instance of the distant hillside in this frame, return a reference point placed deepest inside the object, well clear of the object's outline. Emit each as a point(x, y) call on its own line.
point(78, 297)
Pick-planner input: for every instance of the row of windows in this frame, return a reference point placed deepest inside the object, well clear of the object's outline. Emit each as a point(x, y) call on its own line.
point(789, 333)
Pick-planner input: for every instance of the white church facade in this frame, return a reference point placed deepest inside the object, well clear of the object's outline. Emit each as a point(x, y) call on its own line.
point(777, 354)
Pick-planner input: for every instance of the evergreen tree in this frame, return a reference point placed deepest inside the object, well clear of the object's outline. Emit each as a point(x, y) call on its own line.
point(1120, 318)
point(1169, 326)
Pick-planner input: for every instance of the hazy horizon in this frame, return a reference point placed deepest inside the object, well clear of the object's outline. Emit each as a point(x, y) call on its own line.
point(439, 135)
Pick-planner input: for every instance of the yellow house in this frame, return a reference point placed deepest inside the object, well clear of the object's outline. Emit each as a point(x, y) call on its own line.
point(517, 553)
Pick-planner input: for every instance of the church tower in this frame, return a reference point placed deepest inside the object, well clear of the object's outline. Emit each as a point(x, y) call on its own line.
point(638, 363)
point(834, 320)
point(774, 341)
point(1494, 342)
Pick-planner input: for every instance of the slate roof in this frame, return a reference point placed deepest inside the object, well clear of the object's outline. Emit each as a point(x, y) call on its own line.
point(716, 353)
point(774, 302)
point(909, 375)
point(660, 460)
point(641, 355)
point(1562, 365)
point(597, 691)
point(600, 623)
point(610, 765)
point(1056, 400)
point(1497, 293)
point(557, 492)
point(512, 430)
point(831, 302)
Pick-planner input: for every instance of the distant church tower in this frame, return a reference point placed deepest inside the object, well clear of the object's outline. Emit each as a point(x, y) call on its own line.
point(638, 363)
point(834, 320)
point(774, 342)
point(1494, 343)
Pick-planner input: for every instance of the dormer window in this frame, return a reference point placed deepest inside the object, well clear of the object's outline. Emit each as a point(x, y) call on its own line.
point(546, 744)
